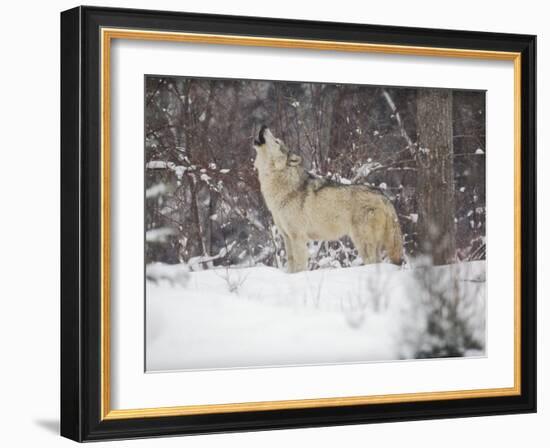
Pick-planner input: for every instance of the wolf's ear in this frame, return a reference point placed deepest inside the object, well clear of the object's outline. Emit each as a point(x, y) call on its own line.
point(294, 159)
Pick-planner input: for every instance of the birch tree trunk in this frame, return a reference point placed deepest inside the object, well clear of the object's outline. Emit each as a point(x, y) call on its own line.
point(435, 182)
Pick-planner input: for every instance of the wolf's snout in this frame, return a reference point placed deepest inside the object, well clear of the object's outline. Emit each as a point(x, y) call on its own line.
point(261, 138)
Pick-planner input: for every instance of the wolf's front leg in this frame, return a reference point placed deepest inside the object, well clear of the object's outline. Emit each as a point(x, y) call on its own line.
point(300, 255)
point(289, 253)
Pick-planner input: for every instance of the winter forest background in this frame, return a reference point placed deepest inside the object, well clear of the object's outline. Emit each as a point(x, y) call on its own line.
point(423, 148)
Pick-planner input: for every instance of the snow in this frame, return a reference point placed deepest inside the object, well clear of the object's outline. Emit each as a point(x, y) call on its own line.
point(365, 169)
point(159, 235)
point(163, 165)
point(159, 164)
point(198, 263)
point(262, 316)
point(155, 190)
point(173, 274)
point(179, 170)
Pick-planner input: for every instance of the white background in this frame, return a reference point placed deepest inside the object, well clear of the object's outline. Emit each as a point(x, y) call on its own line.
point(29, 330)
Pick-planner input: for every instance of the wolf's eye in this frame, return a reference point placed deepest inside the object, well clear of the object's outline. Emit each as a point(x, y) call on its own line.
point(278, 141)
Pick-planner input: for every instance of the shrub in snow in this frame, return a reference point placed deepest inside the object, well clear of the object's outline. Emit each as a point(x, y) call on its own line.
point(369, 296)
point(234, 278)
point(447, 316)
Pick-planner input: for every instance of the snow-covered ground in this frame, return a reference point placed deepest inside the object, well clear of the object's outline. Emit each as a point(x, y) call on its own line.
point(262, 316)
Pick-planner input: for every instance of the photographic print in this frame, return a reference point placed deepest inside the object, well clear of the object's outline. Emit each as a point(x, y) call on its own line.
point(275, 224)
point(301, 223)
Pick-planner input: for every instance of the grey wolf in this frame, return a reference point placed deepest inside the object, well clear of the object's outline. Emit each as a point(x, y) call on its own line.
point(306, 208)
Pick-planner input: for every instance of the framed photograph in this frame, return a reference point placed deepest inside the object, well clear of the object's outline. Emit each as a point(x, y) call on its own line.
point(272, 223)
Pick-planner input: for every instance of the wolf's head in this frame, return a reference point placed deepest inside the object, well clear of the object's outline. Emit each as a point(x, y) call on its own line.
point(272, 153)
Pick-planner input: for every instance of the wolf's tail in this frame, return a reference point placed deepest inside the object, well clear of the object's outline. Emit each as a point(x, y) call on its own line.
point(394, 239)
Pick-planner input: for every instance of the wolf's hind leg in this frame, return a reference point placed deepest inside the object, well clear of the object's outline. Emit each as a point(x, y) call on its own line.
point(366, 249)
point(368, 252)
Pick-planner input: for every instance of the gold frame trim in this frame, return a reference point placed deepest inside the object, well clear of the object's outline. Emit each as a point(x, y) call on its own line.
point(107, 35)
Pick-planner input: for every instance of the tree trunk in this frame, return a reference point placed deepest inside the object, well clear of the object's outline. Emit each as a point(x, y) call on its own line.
point(190, 209)
point(337, 126)
point(435, 184)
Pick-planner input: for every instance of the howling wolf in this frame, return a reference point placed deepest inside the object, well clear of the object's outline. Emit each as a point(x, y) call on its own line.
point(307, 208)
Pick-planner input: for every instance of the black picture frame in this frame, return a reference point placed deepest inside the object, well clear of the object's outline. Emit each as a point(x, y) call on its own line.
point(81, 224)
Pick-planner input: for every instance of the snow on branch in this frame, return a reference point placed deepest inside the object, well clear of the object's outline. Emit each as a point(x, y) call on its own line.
point(196, 262)
point(393, 108)
point(159, 235)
